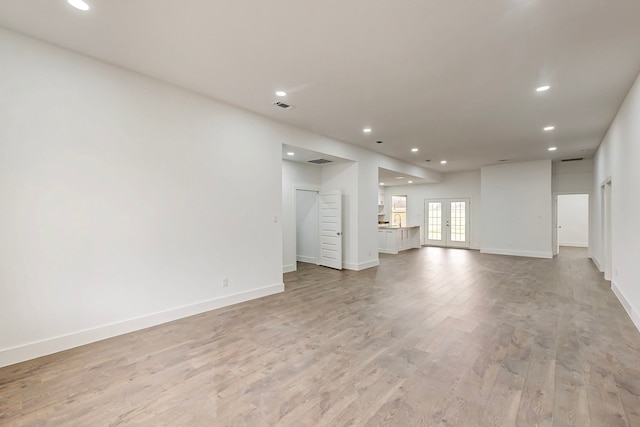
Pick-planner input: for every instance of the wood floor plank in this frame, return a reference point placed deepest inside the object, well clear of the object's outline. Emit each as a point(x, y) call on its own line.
point(431, 337)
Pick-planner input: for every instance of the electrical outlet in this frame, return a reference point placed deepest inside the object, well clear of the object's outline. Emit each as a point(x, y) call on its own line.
point(225, 282)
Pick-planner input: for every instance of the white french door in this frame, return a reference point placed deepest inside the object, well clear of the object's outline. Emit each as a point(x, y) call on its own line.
point(446, 222)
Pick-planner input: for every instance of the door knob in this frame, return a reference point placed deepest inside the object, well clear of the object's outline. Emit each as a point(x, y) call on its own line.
point(338, 234)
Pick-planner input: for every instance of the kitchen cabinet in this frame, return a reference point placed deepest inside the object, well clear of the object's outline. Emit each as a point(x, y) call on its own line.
point(392, 240)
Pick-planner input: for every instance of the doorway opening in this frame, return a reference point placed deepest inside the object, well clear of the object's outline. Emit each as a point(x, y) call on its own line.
point(307, 226)
point(571, 219)
point(606, 229)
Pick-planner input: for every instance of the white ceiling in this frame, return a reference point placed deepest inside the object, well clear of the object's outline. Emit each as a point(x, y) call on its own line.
point(454, 78)
point(386, 177)
point(390, 178)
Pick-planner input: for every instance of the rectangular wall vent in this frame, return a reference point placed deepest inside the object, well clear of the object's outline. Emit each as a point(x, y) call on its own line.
point(282, 105)
point(572, 160)
point(320, 161)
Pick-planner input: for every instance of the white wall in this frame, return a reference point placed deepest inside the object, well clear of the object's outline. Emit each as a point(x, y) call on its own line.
point(452, 185)
point(125, 201)
point(307, 226)
point(573, 220)
point(516, 209)
point(572, 177)
point(617, 159)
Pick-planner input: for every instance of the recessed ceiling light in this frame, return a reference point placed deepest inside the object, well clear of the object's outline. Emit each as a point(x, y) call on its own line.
point(543, 88)
point(410, 182)
point(548, 128)
point(281, 93)
point(552, 148)
point(399, 177)
point(443, 162)
point(382, 183)
point(414, 150)
point(79, 4)
point(366, 130)
point(291, 153)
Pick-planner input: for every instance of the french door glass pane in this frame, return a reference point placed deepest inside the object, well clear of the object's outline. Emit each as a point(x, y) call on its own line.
point(435, 221)
point(458, 221)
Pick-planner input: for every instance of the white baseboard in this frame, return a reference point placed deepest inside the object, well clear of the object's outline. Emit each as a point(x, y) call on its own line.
point(633, 314)
point(597, 263)
point(361, 266)
point(384, 251)
point(575, 244)
point(289, 268)
point(33, 350)
point(530, 254)
point(307, 259)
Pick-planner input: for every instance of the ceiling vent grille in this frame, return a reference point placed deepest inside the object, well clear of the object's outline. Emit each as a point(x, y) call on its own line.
point(572, 160)
point(283, 105)
point(320, 161)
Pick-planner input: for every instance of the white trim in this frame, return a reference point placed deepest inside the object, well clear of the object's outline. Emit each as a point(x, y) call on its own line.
point(597, 263)
point(384, 251)
point(633, 314)
point(361, 266)
point(307, 259)
point(289, 268)
point(32, 350)
point(547, 254)
point(606, 181)
point(575, 245)
point(453, 247)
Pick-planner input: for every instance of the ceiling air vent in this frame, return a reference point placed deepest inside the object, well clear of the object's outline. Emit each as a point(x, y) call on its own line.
point(319, 161)
point(572, 160)
point(282, 105)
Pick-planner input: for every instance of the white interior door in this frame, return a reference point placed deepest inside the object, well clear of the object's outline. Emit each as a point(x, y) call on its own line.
point(330, 229)
point(447, 222)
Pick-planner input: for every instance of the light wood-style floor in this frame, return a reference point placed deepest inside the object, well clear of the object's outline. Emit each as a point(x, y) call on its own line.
point(432, 337)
